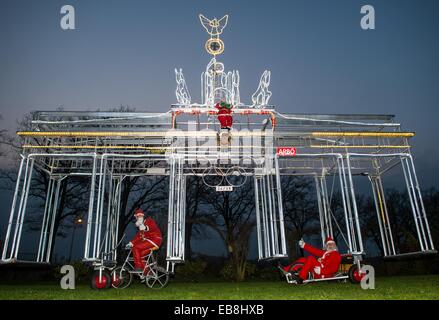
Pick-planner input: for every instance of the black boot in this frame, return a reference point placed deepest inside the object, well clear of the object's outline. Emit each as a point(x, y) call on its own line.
point(296, 278)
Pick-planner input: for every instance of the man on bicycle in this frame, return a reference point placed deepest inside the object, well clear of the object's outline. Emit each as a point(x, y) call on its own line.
point(148, 238)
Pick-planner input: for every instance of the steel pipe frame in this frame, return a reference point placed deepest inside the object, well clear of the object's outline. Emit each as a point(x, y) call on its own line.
point(269, 213)
point(12, 212)
point(354, 206)
point(382, 216)
point(415, 197)
point(96, 219)
point(424, 213)
point(45, 224)
point(94, 173)
point(414, 205)
point(49, 218)
point(108, 227)
point(176, 212)
point(170, 240)
point(324, 209)
point(51, 206)
point(113, 214)
point(116, 215)
point(53, 219)
point(415, 189)
point(386, 213)
point(49, 213)
point(21, 208)
point(355, 242)
point(258, 217)
point(280, 207)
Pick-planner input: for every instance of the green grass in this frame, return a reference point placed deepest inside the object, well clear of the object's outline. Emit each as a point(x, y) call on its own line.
point(413, 287)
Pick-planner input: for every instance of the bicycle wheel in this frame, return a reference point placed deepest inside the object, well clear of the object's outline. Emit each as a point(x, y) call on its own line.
point(121, 278)
point(157, 278)
point(100, 280)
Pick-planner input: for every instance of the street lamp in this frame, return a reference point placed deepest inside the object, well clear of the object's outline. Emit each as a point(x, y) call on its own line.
point(77, 222)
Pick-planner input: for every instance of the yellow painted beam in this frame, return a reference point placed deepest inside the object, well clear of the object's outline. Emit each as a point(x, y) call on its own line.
point(364, 134)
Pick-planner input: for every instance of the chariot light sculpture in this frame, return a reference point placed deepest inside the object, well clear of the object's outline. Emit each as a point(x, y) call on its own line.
point(264, 146)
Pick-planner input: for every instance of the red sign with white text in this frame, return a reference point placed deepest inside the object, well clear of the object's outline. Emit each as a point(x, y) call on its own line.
point(286, 151)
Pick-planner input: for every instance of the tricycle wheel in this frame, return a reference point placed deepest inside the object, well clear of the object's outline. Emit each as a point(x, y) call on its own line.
point(121, 278)
point(355, 275)
point(157, 278)
point(99, 281)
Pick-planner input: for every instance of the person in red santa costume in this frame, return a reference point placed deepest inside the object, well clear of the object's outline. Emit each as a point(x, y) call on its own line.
point(148, 237)
point(225, 115)
point(322, 263)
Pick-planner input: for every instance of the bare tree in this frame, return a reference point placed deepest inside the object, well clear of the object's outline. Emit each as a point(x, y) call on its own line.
point(231, 216)
point(300, 209)
point(196, 189)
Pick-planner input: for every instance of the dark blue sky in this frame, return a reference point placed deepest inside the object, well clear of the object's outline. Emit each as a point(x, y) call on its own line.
point(124, 52)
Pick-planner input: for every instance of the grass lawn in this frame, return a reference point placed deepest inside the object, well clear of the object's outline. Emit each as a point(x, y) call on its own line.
point(413, 287)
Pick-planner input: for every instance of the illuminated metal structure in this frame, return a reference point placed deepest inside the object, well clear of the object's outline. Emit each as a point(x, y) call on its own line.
point(264, 145)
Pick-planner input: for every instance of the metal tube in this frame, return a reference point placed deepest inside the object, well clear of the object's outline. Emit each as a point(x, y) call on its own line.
point(54, 214)
point(90, 210)
point(177, 210)
point(183, 223)
point(266, 229)
point(281, 210)
point(273, 237)
point(20, 207)
point(320, 206)
point(49, 217)
point(384, 244)
point(258, 219)
point(119, 191)
point(327, 206)
point(354, 204)
point(43, 226)
point(24, 207)
point(108, 227)
point(98, 206)
point(415, 200)
point(268, 232)
point(424, 214)
point(101, 209)
point(12, 212)
point(345, 210)
point(169, 245)
point(389, 228)
point(350, 226)
point(409, 192)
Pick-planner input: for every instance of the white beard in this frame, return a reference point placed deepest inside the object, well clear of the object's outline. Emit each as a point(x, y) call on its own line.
point(142, 227)
point(139, 222)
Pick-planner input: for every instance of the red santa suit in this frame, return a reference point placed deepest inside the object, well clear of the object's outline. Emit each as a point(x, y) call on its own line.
point(225, 115)
point(145, 241)
point(325, 266)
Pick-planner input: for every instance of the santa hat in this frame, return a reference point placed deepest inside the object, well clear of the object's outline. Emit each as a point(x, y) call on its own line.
point(329, 240)
point(139, 212)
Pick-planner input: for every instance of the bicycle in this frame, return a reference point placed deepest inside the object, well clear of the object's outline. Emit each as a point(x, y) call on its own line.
point(156, 278)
